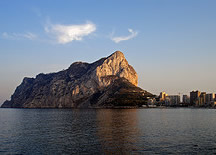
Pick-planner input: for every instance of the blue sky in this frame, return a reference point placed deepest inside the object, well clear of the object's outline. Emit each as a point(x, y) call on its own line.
point(170, 43)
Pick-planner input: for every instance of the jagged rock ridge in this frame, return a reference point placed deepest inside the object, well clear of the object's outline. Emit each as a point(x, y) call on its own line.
point(109, 81)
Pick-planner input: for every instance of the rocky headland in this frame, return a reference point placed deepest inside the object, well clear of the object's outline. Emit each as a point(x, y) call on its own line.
point(108, 82)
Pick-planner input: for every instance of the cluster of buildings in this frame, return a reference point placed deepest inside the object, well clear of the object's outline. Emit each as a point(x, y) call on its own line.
point(196, 98)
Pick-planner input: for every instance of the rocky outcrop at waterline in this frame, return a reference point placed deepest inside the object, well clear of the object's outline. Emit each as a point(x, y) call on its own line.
point(108, 82)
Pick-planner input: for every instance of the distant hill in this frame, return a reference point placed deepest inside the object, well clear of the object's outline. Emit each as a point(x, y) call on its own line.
point(108, 82)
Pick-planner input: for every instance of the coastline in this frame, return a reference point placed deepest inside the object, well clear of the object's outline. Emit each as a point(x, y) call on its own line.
point(117, 107)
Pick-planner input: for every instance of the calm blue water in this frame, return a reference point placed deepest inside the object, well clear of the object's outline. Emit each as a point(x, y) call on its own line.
point(106, 131)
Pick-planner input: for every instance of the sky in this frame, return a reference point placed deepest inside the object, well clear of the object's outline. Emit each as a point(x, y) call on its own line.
point(170, 43)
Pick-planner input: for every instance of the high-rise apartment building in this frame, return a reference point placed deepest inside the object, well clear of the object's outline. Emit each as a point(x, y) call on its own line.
point(210, 97)
point(163, 95)
point(172, 100)
point(202, 99)
point(194, 97)
point(186, 99)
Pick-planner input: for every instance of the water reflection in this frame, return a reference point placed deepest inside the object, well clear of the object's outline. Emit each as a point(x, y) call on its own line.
point(104, 131)
point(117, 130)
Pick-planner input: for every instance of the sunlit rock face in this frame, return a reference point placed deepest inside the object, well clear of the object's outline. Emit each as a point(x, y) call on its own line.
point(117, 65)
point(81, 85)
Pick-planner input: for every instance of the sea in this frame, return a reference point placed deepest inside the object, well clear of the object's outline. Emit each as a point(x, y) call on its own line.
point(108, 131)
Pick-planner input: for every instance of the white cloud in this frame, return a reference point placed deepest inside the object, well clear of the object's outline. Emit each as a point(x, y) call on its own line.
point(30, 36)
point(123, 38)
point(18, 36)
point(68, 33)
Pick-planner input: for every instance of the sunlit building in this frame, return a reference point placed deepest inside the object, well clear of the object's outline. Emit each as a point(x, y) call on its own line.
point(202, 99)
point(163, 96)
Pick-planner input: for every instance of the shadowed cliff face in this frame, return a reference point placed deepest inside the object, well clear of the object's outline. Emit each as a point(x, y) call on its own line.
point(81, 85)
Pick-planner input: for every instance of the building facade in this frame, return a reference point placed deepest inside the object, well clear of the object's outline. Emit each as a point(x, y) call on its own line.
point(194, 97)
point(172, 100)
point(185, 99)
point(163, 96)
point(202, 99)
point(210, 98)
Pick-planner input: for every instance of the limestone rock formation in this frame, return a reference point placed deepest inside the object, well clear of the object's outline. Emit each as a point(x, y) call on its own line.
point(109, 82)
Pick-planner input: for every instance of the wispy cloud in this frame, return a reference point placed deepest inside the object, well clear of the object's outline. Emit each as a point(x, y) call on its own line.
point(68, 33)
point(123, 38)
point(18, 36)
